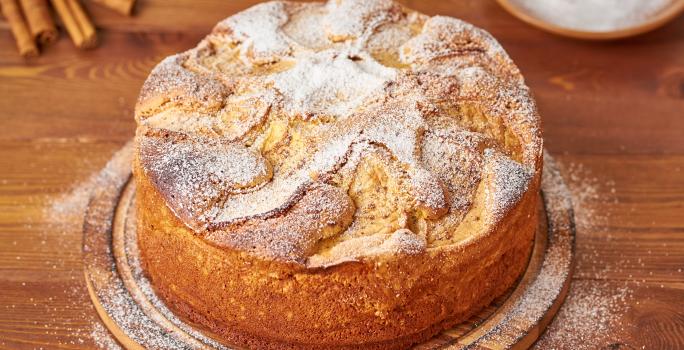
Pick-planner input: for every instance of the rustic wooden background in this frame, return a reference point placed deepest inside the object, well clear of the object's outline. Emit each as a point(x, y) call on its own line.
point(613, 116)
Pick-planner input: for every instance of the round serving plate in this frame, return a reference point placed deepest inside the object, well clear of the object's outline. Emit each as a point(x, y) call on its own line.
point(657, 21)
point(138, 319)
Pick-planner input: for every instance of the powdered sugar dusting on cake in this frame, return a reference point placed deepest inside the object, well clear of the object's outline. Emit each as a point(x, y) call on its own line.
point(171, 82)
point(233, 121)
point(430, 196)
point(284, 189)
point(257, 29)
point(323, 211)
point(181, 121)
point(405, 241)
point(389, 37)
point(197, 179)
point(330, 83)
point(336, 83)
point(454, 155)
point(351, 19)
point(446, 36)
point(396, 124)
point(298, 28)
point(508, 182)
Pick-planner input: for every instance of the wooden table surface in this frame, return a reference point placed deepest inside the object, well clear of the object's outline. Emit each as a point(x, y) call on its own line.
point(613, 116)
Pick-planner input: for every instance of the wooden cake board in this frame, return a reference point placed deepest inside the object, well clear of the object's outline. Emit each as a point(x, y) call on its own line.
point(138, 319)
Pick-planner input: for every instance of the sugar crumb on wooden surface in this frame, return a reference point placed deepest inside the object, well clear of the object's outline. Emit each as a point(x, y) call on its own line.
point(63, 215)
point(591, 318)
point(593, 200)
point(594, 313)
point(102, 338)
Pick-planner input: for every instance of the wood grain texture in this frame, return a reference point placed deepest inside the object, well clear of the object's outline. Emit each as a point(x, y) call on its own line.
point(616, 109)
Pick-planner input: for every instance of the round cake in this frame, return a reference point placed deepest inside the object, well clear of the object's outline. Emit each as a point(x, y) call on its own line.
point(349, 174)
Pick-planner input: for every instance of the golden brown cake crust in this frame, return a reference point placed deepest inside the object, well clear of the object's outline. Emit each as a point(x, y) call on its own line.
point(342, 175)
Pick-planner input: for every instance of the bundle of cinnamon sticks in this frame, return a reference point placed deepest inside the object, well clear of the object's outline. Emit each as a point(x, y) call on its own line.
point(32, 24)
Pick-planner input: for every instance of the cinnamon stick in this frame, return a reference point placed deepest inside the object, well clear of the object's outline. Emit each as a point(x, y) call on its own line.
point(124, 7)
point(84, 22)
point(77, 23)
point(22, 35)
point(39, 18)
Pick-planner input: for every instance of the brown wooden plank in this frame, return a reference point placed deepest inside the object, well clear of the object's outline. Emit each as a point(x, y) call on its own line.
point(618, 315)
point(43, 300)
point(631, 220)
